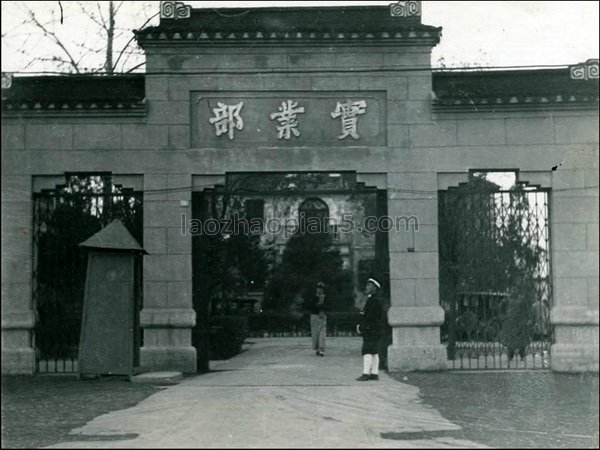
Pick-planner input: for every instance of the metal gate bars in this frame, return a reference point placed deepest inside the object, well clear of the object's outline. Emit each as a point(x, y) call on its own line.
point(495, 281)
point(64, 217)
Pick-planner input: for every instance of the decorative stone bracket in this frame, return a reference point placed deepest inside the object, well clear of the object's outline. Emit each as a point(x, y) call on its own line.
point(405, 9)
point(175, 10)
point(585, 71)
point(6, 80)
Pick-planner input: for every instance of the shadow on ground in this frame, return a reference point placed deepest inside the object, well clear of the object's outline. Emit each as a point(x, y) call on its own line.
point(514, 409)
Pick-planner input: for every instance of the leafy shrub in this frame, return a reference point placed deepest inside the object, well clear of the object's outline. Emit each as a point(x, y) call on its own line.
point(342, 323)
point(227, 334)
point(270, 323)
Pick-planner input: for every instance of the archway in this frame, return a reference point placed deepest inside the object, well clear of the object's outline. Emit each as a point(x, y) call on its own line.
point(258, 214)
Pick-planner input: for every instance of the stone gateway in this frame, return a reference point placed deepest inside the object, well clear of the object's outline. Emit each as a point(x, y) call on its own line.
point(343, 102)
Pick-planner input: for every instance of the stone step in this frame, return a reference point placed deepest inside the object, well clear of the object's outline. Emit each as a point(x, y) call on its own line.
point(158, 378)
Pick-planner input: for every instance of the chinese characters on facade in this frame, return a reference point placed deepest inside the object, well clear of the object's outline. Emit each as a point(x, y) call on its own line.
point(349, 112)
point(288, 122)
point(228, 118)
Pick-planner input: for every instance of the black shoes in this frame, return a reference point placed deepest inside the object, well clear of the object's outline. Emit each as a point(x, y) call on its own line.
point(365, 377)
point(320, 353)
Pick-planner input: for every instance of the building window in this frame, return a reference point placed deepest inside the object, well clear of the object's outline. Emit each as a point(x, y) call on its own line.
point(255, 213)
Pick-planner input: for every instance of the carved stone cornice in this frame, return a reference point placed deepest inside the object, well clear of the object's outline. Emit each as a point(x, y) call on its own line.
point(408, 36)
point(74, 96)
point(398, 24)
point(524, 89)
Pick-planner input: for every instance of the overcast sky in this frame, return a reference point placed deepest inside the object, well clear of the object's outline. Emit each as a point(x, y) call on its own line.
point(499, 34)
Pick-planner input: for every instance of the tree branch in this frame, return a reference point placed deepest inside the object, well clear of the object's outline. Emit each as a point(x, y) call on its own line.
point(90, 15)
point(129, 55)
point(110, 37)
point(135, 67)
point(54, 38)
point(75, 55)
point(132, 38)
point(85, 54)
point(54, 59)
point(119, 6)
point(89, 49)
point(101, 15)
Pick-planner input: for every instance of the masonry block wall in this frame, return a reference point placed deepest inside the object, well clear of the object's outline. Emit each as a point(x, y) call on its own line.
point(18, 316)
point(575, 238)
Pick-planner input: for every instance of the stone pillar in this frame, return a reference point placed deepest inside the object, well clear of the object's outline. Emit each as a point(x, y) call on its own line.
point(18, 317)
point(167, 317)
point(574, 244)
point(415, 314)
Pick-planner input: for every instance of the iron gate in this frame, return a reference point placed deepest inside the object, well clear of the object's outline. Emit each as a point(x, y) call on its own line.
point(64, 217)
point(495, 280)
point(216, 268)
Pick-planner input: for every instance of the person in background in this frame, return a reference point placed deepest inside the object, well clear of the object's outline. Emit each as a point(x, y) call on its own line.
point(370, 330)
point(318, 320)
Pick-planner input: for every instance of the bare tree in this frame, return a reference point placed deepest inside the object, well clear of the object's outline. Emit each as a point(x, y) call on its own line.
point(76, 36)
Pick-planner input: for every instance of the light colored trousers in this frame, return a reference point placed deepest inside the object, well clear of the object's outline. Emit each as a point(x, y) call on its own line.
point(318, 331)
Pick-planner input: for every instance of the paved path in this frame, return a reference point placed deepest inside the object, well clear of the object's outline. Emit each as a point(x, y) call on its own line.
point(277, 394)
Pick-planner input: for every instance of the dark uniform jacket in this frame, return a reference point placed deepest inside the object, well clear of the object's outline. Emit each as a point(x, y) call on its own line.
point(370, 323)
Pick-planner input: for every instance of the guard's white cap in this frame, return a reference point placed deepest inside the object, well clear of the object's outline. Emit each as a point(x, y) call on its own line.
point(375, 282)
